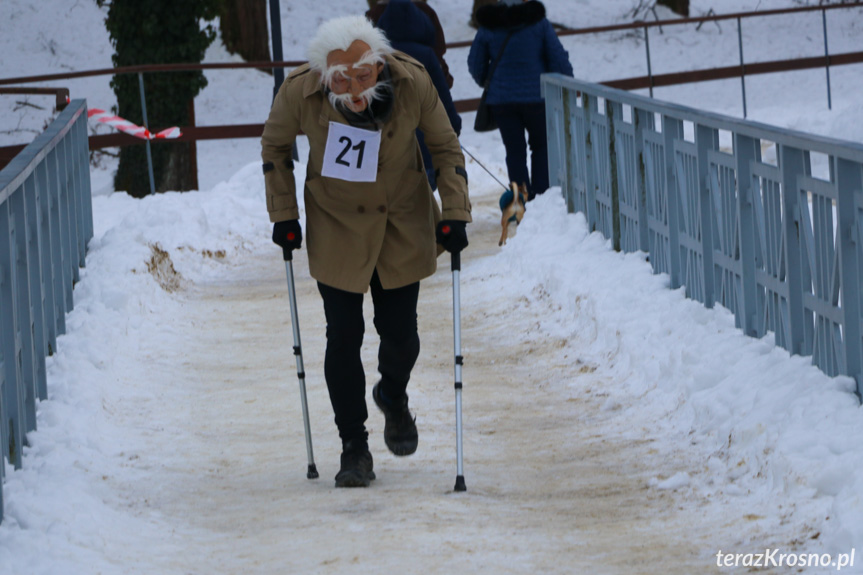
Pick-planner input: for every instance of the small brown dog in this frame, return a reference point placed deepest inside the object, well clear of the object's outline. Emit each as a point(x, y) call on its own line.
point(512, 208)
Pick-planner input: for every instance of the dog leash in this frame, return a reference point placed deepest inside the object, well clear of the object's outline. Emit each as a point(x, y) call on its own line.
point(483, 167)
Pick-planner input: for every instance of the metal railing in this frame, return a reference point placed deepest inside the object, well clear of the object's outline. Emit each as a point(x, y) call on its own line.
point(46, 220)
point(779, 246)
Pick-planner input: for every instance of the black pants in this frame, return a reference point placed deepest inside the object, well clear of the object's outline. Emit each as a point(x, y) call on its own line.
point(512, 121)
point(395, 318)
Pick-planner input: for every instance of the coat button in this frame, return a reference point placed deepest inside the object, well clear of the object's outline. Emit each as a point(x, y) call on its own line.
point(390, 134)
point(361, 209)
point(382, 209)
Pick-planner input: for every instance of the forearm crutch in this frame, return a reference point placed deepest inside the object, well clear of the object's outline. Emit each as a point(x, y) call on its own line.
point(312, 472)
point(456, 324)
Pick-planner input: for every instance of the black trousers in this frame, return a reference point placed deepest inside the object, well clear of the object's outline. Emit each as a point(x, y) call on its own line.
point(512, 121)
point(395, 319)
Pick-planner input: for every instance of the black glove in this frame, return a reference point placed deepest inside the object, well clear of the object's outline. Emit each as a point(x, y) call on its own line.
point(288, 235)
point(452, 235)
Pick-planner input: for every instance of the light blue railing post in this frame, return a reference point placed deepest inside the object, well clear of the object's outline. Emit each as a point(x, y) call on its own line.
point(792, 164)
point(600, 148)
point(565, 169)
point(85, 196)
point(672, 131)
point(54, 234)
point(641, 121)
point(3, 420)
point(21, 285)
point(706, 139)
point(66, 238)
point(827, 56)
point(849, 210)
point(742, 64)
point(746, 153)
point(575, 154)
point(32, 193)
point(627, 177)
point(555, 112)
point(70, 206)
point(13, 429)
point(616, 177)
point(46, 221)
point(590, 177)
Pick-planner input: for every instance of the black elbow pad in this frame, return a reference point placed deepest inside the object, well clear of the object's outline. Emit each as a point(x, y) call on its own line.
point(462, 172)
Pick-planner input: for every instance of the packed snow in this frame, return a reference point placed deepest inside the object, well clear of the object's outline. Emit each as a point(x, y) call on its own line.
point(610, 424)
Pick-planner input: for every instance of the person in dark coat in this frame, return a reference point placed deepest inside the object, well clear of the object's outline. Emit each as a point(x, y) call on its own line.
point(514, 95)
point(439, 46)
point(409, 30)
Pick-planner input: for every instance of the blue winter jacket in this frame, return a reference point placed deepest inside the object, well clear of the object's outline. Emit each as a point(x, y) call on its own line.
point(533, 49)
point(412, 32)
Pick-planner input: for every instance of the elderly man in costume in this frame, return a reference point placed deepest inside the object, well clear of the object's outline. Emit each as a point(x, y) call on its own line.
point(372, 221)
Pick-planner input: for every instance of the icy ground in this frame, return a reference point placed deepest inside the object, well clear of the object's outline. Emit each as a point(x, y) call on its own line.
point(611, 426)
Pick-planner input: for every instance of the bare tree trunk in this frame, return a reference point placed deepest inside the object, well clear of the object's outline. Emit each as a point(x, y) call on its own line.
point(677, 6)
point(244, 30)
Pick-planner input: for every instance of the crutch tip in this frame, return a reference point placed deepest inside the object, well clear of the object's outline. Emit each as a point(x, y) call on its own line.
point(312, 472)
point(459, 483)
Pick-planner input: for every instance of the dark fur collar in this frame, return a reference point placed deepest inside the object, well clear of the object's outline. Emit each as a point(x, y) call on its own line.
point(496, 16)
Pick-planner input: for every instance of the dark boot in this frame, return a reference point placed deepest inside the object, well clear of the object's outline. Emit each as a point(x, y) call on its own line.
point(400, 429)
point(357, 465)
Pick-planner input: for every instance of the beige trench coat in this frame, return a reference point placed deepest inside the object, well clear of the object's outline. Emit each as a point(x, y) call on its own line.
point(352, 228)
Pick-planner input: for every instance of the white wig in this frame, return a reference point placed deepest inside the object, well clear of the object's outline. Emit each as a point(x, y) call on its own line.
point(339, 34)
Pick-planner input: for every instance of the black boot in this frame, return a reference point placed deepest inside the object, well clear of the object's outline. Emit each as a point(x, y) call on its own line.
point(400, 429)
point(357, 465)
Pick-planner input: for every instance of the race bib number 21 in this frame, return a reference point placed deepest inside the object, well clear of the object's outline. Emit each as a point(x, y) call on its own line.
point(351, 154)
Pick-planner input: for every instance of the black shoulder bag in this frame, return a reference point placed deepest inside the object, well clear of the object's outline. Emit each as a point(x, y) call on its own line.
point(484, 121)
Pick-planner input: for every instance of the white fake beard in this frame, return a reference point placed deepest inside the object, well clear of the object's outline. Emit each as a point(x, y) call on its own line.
point(368, 96)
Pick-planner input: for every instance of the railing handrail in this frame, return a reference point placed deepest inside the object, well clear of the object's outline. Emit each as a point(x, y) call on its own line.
point(18, 170)
point(823, 144)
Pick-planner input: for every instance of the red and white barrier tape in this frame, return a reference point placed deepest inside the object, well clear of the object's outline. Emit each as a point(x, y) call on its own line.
point(128, 127)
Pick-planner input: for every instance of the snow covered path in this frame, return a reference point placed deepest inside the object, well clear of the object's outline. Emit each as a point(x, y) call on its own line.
point(611, 426)
point(597, 438)
point(557, 480)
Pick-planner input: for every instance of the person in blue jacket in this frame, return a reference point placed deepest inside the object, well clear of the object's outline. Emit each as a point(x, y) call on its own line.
point(513, 94)
point(410, 31)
